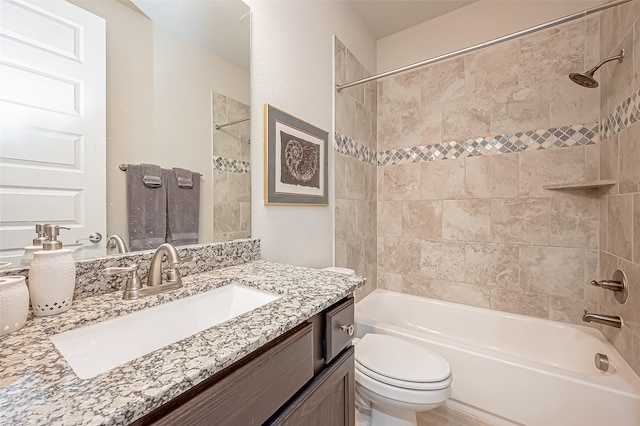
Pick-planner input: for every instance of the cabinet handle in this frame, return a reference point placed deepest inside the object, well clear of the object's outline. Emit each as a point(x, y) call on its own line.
point(349, 329)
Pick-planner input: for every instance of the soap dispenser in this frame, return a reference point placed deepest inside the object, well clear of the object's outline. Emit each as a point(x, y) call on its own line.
point(52, 276)
point(27, 257)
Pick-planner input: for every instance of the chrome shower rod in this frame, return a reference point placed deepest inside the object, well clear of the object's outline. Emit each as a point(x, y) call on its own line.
point(220, 126)
point(479, 46)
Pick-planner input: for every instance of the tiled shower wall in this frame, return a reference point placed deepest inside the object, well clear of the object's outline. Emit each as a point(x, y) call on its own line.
point(355, 170)
point(620, 162)
point(466, 146)
point(231, 173)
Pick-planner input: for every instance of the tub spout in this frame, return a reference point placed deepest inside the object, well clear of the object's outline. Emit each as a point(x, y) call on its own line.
point(610, 320)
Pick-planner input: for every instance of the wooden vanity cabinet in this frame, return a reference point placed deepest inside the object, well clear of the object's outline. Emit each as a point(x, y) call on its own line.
point(303, 378)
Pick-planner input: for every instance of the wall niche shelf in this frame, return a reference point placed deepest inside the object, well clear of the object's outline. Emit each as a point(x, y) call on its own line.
point(582, 185)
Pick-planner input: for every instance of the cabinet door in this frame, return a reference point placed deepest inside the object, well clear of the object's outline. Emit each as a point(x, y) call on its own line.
point(328, 400)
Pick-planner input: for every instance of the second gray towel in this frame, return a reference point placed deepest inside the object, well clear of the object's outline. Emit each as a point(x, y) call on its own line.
point(183, 206)
point(146, 209)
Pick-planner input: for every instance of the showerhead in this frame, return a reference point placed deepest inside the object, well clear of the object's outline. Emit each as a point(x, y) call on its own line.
point(586, 79)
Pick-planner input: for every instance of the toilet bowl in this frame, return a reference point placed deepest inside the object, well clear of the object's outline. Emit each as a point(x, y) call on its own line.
point(395, 378)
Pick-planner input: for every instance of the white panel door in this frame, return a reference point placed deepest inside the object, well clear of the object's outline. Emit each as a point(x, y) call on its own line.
point(52, 123)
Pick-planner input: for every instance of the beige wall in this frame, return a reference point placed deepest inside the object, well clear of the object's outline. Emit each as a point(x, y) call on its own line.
point(478, 22)
point(355, 178)
point(159, 105)
point(481, 230)
point(620, 161)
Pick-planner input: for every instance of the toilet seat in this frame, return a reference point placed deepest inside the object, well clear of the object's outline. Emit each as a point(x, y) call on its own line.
point(402, 363)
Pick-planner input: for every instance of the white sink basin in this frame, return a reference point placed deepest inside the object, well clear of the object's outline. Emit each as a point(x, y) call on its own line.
point(97, 348)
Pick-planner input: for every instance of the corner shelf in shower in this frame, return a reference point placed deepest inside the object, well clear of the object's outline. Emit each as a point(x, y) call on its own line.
point(582, 185)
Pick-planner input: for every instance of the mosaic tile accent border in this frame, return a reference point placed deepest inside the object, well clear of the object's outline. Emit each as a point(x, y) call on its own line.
point(347, 146)
point(622, 116)
point(555, 137)
point(228, 165)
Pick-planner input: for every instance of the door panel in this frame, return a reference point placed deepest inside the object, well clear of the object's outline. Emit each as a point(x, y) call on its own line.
point(52, 123)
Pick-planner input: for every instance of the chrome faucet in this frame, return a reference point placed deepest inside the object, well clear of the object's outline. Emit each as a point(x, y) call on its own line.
point(116, 241)
point(134, 288)
point(610, 320)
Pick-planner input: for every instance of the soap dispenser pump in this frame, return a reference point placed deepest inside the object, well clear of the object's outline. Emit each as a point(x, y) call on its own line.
point(52, 275)
point(27, 257)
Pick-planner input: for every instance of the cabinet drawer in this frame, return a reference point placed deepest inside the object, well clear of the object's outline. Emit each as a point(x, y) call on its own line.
point(339, 329)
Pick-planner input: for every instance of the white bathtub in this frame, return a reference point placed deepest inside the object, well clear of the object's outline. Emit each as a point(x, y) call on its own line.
point(512, 369)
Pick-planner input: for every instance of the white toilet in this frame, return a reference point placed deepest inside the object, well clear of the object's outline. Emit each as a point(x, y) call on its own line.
point(396, 378)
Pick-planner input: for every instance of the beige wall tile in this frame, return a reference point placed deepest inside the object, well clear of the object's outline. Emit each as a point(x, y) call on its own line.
point(636, 228)
point(389, 281)
point(591, 258)
point(491, 264)
point(370, 176)
point(549, 167)
point(365, 219)
point(355, 179)
point(569, 309)
point(592, 162)
point(444, 81)
point(355, 257)
point(345, 115)
point(572, 104)
point(422, 219)
point(390, 219)
point(518, 302)
point(371, 97)
point(239, 188)
point(523, 220)
point(401, 182)
point(400, 255)
point(220, 186)
point(630, 311)
point(355, 71)
point(340, 254)
point(636, 55)
point(450, 291)
point(604, 212)
point(466, 220)
point(608, 33)
point(629, 159)
point(466, 118)
point(627, 14)
point(592, 43)
point(574, 222)
point(345, 225)
point(635, 353)
point(340, 174)
point(555, 271)
point(442, 179)
point(525, 107)
point(226, 217)
point(364, 128)
point(620, 225)
point(443, 260)
point(609, 162)
point(400, 93)
point(410, 128)
point(616, 78)
point(495, 68)
point(340, 57)
point(552, 53)
point(492, 176)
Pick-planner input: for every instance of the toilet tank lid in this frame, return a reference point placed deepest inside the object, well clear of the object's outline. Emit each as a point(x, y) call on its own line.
point(340, 270)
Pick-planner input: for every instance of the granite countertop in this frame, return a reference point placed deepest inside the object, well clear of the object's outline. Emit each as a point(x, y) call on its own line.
point(37, 385)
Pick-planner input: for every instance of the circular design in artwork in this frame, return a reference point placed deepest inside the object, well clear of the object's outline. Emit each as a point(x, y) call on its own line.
point(301, 164)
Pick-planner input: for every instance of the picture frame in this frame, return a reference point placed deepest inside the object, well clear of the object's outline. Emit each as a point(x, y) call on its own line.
point(296, 160)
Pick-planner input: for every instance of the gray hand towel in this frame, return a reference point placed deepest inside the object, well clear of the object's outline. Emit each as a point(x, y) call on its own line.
point(151, 175)
point(183, 209)
point(184, 177)
point(146, 210)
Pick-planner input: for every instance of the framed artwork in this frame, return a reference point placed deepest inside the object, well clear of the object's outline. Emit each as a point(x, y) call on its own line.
point(296, 160)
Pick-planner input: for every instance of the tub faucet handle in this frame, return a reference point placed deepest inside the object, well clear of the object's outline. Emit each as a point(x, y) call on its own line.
point(618, 284)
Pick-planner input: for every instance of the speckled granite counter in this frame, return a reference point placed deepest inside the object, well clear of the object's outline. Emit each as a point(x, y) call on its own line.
point(37, 385)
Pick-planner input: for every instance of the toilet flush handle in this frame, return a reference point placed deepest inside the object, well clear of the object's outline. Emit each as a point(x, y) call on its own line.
point(349, 329)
